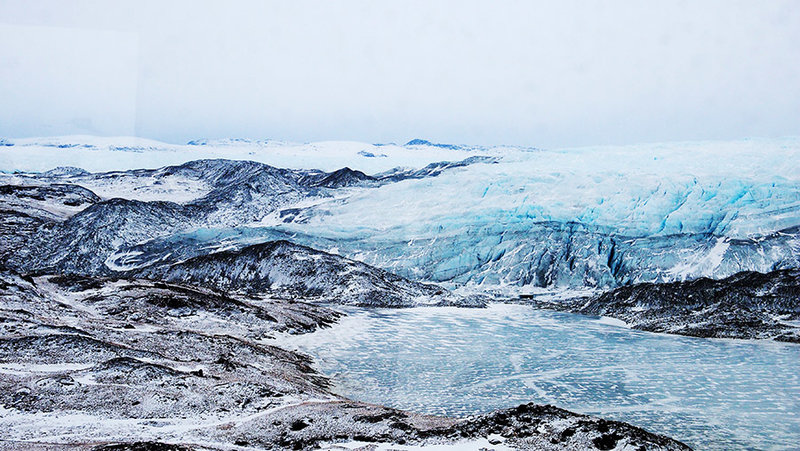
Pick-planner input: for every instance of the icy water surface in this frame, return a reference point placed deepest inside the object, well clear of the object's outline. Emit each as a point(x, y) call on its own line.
point(710, 394)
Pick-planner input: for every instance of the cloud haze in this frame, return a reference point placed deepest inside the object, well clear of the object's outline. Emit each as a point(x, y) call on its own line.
point(529, 73)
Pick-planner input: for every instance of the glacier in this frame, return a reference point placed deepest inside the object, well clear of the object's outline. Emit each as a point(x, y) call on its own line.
point(511, 217)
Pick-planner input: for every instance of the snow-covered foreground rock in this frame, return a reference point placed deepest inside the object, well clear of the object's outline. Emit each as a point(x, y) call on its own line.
point(87, 361)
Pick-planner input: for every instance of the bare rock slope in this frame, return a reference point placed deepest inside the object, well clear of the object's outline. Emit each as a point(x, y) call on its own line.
point(746, 305)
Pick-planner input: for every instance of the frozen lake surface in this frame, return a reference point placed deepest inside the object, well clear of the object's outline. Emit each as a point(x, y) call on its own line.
point(710, 394)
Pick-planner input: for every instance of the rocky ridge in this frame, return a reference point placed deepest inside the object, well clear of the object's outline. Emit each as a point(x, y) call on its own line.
point(747, 305)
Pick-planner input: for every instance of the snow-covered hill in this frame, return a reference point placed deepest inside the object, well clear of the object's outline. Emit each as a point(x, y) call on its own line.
point(288, 269)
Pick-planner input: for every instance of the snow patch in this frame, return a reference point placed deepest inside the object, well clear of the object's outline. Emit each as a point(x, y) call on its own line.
point(480, 444)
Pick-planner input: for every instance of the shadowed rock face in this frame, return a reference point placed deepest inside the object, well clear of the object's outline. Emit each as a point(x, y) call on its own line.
point(745, 305)
point(16, 228)
point(27, 209)
point(338, 179)
point(79, 245)
point(133, 364)
point(63, 193)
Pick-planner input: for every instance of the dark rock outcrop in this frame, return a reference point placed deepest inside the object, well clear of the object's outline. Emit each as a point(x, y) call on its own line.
point(745, 305)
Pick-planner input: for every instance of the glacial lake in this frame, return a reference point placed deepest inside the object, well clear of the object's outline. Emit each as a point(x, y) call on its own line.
point(710, 394)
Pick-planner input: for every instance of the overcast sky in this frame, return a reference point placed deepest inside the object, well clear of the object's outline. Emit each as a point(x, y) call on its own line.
point(551, 74)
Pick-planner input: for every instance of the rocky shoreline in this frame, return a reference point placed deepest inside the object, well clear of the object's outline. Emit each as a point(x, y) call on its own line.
point(109, 363)
point(747, 305)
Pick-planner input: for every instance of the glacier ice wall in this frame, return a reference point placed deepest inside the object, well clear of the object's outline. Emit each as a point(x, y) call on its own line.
point(595, 217)
point(599, 216)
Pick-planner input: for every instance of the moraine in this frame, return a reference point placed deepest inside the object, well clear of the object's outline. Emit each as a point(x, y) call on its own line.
point(708, 393)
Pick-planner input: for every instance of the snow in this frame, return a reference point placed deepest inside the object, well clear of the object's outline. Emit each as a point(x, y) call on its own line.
point(18, 368)
point(99, 154)
point(701, 265)
point(607, 320)
point(118, 261)
point(173, 188)
point(61, 427)
point(466, 445)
